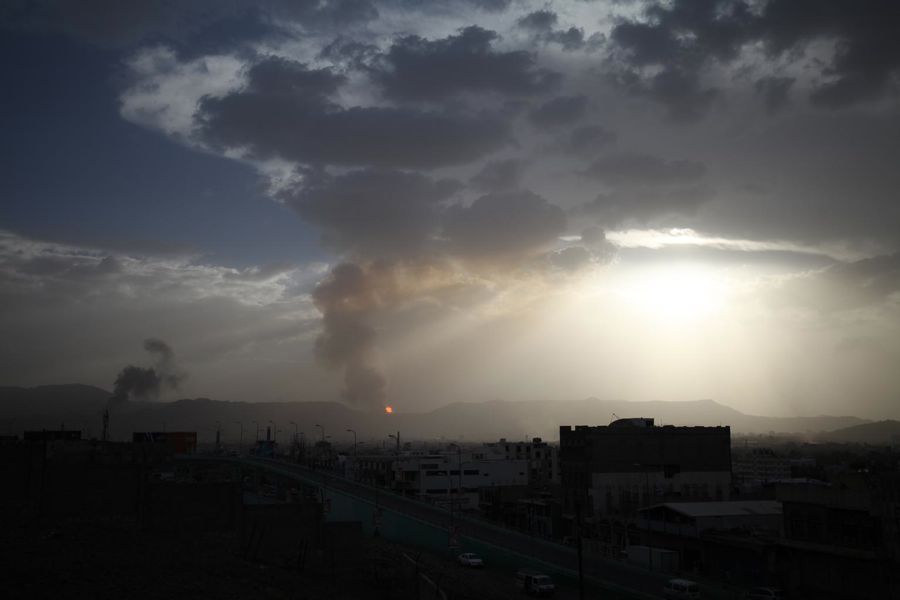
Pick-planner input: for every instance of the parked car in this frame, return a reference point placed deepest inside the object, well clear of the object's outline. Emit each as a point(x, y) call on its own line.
point(534, 583)
point(681, 588)
point(764, 593)
point(470, 559)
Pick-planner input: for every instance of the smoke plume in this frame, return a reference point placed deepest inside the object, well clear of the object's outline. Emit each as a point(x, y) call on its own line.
point(146, 383)
point(347, 299)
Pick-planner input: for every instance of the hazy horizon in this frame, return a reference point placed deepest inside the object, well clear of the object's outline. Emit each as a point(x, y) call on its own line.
point(391, 202)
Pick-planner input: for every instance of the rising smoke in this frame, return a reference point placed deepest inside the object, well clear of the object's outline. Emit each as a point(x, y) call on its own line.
point(146, 383)
point(347, 299)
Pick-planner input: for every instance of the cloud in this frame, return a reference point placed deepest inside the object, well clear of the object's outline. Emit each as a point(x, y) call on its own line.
point(284, 112)
point(539, 20)
point(845, 286)
point(503, 226)
point(559, 112)
point(373, 212)
point(416, 69)
point(775, 91)
point(79, 321)
point(643, 169)
point(684, 39)
point(588, 140)
point(498, 175)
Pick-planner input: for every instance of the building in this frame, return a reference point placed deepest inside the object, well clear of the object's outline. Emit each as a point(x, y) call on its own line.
point(755, 466)
point(542, 459)
point(456, 477)
point(632, 463)
point(842, 540)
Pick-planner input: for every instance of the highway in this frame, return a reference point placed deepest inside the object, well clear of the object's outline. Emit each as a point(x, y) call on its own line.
point(599, 572)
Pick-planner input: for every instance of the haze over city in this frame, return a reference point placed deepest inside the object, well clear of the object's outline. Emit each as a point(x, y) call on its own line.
point(408, 204)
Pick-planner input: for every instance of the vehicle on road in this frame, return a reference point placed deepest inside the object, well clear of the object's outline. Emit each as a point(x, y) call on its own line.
point(764, 593)
point(534, 583)
point(681, 588)
point(470, 559)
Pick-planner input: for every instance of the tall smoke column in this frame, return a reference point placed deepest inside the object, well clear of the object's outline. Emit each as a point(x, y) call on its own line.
point(347, 298)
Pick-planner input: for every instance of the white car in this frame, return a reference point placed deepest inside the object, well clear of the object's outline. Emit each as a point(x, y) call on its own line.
point(469, 559)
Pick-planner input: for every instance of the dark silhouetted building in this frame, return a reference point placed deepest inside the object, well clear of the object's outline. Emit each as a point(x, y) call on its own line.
point(53, 435)
point(631, 463)
point(178, 442)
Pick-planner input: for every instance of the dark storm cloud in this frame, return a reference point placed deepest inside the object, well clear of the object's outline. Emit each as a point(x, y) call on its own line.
point(588, 140)
point(284, 111)
point(498, 176)
point(539, 20)
point(542, 23)
point(374, 212)
point(570, 39)
point(504, 226)
point(684, 36)
point(414, 68)
point(645, 204)
point(686, 99)
point(193, 27)
point(775, 92)
point(643, 169)
point(558, 112)
point(276, 75)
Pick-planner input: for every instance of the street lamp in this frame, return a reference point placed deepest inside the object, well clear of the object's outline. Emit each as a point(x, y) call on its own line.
point(241, 439)
point(274, 432)
point(257, 430)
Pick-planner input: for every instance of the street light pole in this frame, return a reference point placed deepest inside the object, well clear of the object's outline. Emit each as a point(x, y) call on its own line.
point(241, 438)
point(274, 435)
point(257, 430)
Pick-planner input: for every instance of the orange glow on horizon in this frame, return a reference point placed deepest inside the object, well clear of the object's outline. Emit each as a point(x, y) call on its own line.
point(389, 409)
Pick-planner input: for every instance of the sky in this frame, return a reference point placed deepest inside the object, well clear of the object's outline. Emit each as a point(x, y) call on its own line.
point(414, 203)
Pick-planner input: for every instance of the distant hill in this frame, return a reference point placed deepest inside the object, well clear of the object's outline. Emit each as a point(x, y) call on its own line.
point(81, 406)
point(51, 400)
point(879, 432)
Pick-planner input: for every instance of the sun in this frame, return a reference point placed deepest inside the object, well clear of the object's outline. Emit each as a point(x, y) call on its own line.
point(674, 293)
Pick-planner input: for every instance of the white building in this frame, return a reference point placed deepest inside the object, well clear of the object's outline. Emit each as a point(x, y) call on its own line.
point(542, 458)
point(456, 477)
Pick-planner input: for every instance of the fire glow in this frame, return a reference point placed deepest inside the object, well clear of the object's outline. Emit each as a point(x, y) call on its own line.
point(389, 409)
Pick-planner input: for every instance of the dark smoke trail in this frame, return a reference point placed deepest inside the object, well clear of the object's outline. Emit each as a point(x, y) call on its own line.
point(142, 383)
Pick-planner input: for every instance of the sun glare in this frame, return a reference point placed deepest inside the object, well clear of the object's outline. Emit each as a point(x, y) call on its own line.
point(679, 293)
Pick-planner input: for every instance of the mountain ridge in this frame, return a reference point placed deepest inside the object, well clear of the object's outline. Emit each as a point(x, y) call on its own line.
point(48, 406)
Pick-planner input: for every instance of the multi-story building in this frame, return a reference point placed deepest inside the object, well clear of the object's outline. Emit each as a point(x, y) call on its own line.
point(542, 459)
point(842, 539)
point(756, 466)
point(631, 463)
point(455, 477)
